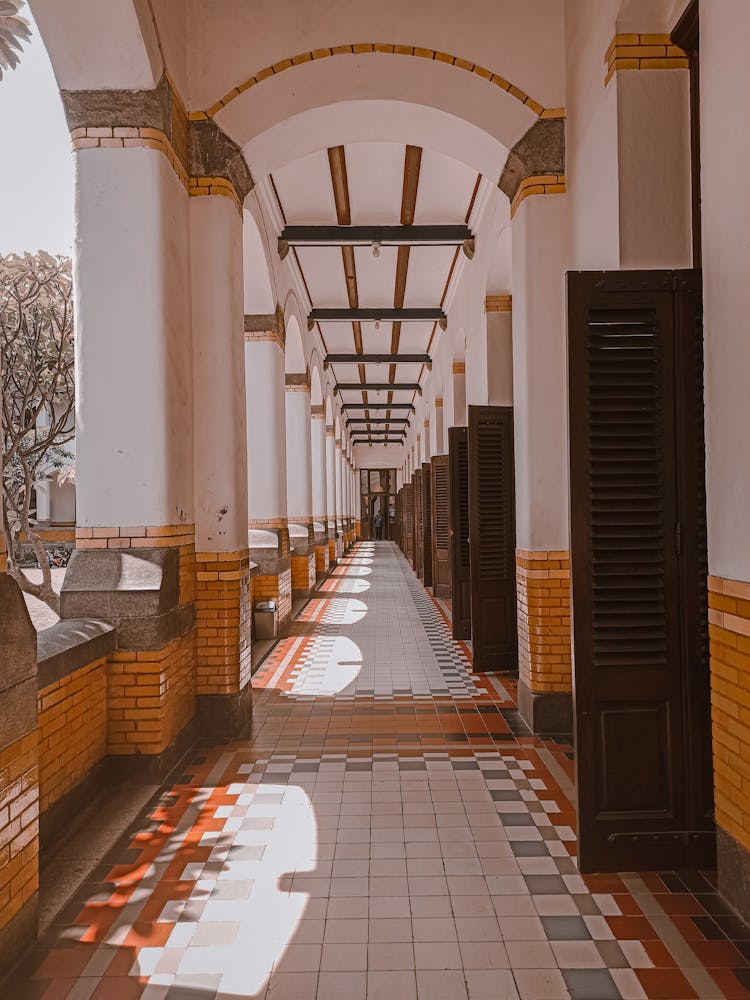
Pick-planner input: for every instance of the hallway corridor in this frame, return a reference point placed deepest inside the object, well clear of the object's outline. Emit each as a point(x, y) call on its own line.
point(388, 832)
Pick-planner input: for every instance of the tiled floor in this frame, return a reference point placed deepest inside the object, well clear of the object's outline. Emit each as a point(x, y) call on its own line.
point(392, 831)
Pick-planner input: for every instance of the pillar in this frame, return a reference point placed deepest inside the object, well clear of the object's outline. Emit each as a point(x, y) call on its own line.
point(439, 428)
point(299, 483)
point(43, 508)
point(339, 466)
point(320, 517)
point(499, 350)
point(223, 578)
point(458, 370)
point(541, 463)
point(426, 452)
point(266, 461)
point(134, 564)
point(726, 259)
point(331, 492)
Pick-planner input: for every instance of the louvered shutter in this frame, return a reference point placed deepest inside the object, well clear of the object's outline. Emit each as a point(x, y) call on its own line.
point(441, 569)
point(426, 526)
point(492, 534)
point(418, 518)
point(458, 460)
point(632, 637)
point(409, 522)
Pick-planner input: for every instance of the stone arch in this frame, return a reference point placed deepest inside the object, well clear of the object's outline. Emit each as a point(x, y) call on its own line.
point(299, 59)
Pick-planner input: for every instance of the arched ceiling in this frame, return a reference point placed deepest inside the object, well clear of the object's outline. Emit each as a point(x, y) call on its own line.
point(375, 183)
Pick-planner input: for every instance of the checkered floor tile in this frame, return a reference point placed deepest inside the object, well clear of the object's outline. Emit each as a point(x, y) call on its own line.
point(389, 830)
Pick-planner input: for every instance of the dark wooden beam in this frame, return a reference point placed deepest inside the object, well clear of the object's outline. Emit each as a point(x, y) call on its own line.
point(353, 236)
point(379, 386)
point(378, 406)
point(377, 359)
point(378, 314)
point(377, 420)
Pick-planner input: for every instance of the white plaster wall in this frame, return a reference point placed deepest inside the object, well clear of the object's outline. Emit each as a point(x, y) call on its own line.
point(218, 376)
point(500, 359)
point(96, 46)
point(134, 400)
point(725, 146)
point(540, 373)
point(653, 111)
point(591, 141)
point(330, 477)
point(627, 145)
point(378, 456)
point(339, 483)
point(266, 430)
point(299, 475)
point(318, 460)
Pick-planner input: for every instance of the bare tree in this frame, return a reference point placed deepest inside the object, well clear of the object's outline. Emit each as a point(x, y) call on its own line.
point(14, 30)
point(36, 346)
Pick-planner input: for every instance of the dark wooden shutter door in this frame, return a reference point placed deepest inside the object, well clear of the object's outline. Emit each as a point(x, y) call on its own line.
point(426, 525)
point(637, 495)
point(441, 567)
point(492, 534)
point(418, 517)
point(409, 521)
point(458, 495)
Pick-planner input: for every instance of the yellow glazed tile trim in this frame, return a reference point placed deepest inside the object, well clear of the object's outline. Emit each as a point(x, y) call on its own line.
point(637, 51)
point(101, 137)
point(387, 48)
point(541, 184)
point(498, 303)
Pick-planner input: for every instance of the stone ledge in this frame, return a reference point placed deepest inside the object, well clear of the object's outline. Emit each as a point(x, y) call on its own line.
point(70, 645)
point(546, 713)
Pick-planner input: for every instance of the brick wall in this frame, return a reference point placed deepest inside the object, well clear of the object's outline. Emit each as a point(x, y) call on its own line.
point(729, 634)
point(544, 640)
point(278, 588)
point(322, 560)
point(303, 572)
point(222, 621)
point(72, 730)
point(19, 825)
point(150, 697)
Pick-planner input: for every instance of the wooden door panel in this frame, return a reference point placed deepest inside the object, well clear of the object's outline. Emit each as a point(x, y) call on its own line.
point(418, 519)
point(441, 567)
point(458, 459)
point(492, 534)
point(409, 522)
point(426, 525)
point(633, 715)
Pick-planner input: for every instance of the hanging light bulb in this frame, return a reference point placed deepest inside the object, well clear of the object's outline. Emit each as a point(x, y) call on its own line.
point(376, 250)
point(377, 324)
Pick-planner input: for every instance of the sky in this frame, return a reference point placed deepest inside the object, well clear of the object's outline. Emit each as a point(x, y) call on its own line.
point(36, 161)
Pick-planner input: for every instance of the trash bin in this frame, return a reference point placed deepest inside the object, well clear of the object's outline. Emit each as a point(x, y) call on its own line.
point(266, 620)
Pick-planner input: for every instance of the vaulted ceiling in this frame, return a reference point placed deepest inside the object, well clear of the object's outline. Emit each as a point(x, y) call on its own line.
point(376, 183)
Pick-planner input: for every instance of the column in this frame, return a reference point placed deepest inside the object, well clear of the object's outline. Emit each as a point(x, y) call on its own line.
point(726, 259)
point(541, 463)
point(499, 350)
point(339, 500)
point(266, 463)
point(223, 578)
point(318, 449)
point(134, 564)
point(299, 482)
point(331, 492)
point(426, 432)
point(458, 369)
point(438, 431)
